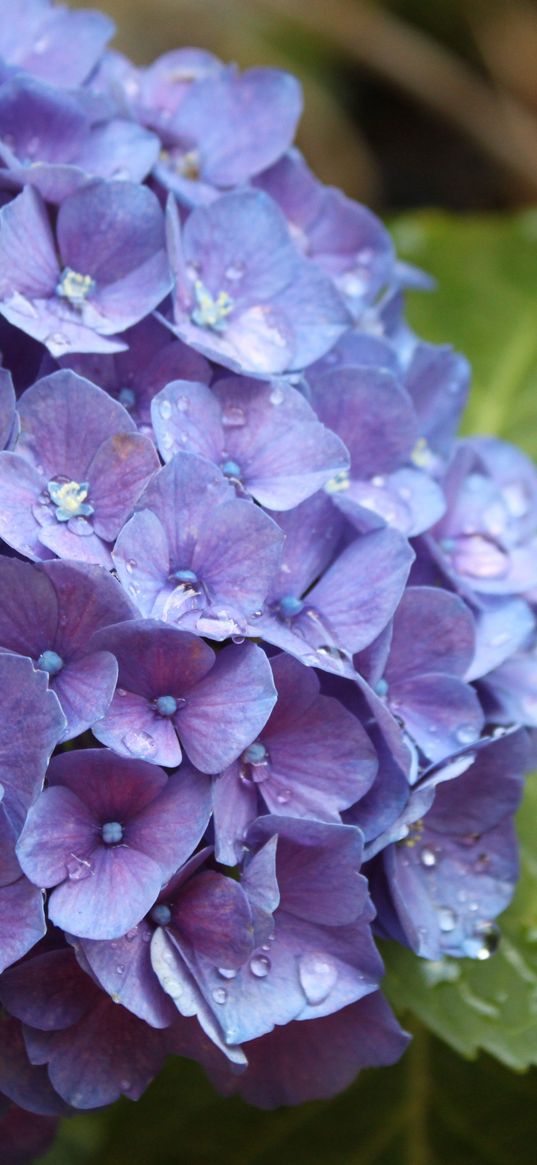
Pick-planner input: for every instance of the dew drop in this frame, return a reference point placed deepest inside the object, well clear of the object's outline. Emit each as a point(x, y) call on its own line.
point(78, 869)
point(233, 416)
point(172, 986)
point(500, 639)
point(466, 734)
point(484, 942)
point(140, 744)
point(165, 410)
point(428, 858)
point(220, 995)
point(120, 968)
point(277, 395)
point(183, 404)
point(131, 934)
point(318, 975)
point(447, 919)
point(260, 966)
point(284, 797)
point(226, 972)
point(234, 271)
point(130, 565)
point(57, 341)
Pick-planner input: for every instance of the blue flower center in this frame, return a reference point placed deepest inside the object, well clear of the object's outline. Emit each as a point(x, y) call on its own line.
point(255, 754)
point(127, 397)
point(74, 286)
point(289, 606)
point(112, 832)
point(50, 662)
point(230, 468)
point(210, 312)
point(166, 705)
point(161, 914)
point(69, 497)
point(188, 577)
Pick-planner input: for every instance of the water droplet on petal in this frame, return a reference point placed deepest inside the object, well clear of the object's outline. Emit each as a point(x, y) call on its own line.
point(318, 975)
point(428, 858)
point(120, 968)
point(57, 342)
point(447, 919)
point(78, 868)
point(233, 416)
point(172, 986)
point(277, 395)
point(284, 797)
point(466, 734)
point(131, 934)
point(139, 744)
point(183, 404)
point(234, 271)
point(220, 995)
point(165, 410)
point(226, 972)
point(260, 966)
point(484, 942)
point(131, 565)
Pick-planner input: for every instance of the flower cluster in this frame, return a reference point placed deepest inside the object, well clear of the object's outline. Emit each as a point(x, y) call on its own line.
point(266, 625)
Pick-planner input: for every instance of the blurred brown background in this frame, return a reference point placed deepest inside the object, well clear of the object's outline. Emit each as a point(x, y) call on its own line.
point(408, 102)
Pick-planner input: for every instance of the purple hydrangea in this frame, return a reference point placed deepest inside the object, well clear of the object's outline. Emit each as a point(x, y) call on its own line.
point(267, 625)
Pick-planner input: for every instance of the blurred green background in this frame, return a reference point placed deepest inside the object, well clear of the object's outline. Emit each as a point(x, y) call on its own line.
point(427, 111)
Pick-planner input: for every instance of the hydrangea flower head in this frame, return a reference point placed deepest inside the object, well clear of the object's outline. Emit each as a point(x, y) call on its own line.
point(267, 625)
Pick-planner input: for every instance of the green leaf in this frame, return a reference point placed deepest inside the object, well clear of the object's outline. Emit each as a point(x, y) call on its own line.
point(485, 304)
point(416, 1113)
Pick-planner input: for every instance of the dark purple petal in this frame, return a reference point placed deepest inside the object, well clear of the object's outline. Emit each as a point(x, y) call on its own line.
point(123, 969)
point(23, 754)
point(49, 991)
point(318, 1059)
point(213, 915)
point(109, 1053)
point(22, 920)
point(318, 868)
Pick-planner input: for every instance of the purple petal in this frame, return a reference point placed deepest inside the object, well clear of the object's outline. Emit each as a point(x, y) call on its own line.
point(234, 808)
point(238, 696)
point(370, 411)
point(24, 755)
point(123, 969)
point(214, 916)
point(85, 1077)
point(319, 1059)
point(433, 631)
point(85, 688)
point(173, 824)
point(317, 867)
point(59, 835)
point(22, 920)
point(440, 712)
point(122, 885)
